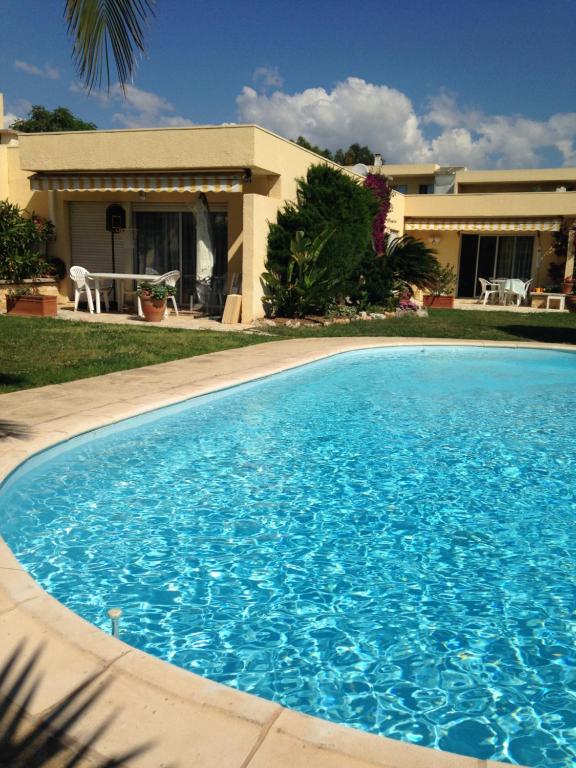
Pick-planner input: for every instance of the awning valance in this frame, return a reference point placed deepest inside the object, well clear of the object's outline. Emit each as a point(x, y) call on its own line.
point(99, 182)
point(485, 225)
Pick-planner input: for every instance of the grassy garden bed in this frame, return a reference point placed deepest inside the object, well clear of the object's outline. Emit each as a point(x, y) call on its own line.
point(36, 352)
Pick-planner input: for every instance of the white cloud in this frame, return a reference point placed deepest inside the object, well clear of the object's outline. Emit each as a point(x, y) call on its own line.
point(385, 119)
point(17, 110)
point(140, 109)
point(268, 77)
point(10, 118)
point(47, 72)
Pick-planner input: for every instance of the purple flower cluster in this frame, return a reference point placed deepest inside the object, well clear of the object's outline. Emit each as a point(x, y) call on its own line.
point(379, 186)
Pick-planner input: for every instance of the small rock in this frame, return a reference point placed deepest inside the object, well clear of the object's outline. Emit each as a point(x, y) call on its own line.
point(422, 312)
point(378, 316)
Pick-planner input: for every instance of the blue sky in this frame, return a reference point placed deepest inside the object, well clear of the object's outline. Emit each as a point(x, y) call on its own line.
point(484, 84)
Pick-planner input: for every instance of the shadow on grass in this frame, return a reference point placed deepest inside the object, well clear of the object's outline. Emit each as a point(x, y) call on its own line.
point(27, 744)
point(11, 379)
point(549, 335)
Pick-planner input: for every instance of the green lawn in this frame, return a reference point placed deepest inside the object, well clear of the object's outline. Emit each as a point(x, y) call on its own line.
point(35, 352)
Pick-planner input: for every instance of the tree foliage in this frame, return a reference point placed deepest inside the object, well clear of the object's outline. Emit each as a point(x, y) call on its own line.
point(354, 154)
point(302, 142)
point(327, 200)
point(42, 120)
point(351, 156)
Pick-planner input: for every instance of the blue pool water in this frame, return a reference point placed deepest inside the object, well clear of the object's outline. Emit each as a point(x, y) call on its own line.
point(384, 539)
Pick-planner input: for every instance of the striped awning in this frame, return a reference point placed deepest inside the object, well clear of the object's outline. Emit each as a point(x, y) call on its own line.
point(222, 182)
point(485, 225)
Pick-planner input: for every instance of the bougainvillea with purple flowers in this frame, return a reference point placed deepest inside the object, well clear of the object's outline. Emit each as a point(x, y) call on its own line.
point(379, 186)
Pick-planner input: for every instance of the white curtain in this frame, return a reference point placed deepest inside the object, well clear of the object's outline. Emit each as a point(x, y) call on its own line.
point(204, 244)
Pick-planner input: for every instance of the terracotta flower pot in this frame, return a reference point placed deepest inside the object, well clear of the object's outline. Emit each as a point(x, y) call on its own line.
point(567, 286)
point(439, 302)
point(153, 309)
point(32, 306)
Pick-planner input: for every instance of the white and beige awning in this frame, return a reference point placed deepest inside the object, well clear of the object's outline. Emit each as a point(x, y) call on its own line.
point(213, 182)
point(485, 225)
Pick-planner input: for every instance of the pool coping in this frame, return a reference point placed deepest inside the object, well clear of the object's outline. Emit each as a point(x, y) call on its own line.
point(184, 719)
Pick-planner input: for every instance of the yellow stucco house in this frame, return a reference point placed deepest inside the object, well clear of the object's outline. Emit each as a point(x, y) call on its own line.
point(482, 222)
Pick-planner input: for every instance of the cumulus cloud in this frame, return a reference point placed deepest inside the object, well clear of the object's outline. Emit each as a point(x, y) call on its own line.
point(386, 120)
point(47, 72)
point(140, 109)
point(268, 77)
point(16, 110)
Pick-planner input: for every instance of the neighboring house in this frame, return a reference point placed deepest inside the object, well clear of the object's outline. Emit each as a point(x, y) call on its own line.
point(496, 223)
point(485, 223)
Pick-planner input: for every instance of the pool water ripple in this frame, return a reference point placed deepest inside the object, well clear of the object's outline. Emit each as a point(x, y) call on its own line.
point(384, 539)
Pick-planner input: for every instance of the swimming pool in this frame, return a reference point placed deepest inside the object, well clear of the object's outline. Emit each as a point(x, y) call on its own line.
point(382, 539)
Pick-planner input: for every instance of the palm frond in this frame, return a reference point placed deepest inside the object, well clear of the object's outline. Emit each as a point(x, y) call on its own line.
point(105, 30)
point(26, 744)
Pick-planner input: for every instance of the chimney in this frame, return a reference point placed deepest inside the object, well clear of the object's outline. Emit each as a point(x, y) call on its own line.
point(377, 158)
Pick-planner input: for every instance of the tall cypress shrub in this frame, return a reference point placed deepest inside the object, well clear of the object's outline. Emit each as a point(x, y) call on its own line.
point(327, 199)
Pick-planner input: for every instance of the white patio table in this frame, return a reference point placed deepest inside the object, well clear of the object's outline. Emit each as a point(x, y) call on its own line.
point(121, 277)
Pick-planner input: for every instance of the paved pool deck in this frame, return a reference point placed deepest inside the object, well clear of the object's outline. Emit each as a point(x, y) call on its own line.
point(186, 720)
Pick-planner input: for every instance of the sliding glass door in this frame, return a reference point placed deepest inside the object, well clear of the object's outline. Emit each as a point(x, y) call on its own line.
point(493, 256)
point(166, 240)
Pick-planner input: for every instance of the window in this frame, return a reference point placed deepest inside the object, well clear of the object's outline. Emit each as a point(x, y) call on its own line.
point(402, 188)
point(166, 240)
point(426, 189)
point(493, 256)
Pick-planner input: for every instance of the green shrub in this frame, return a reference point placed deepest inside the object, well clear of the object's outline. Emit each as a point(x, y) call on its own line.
point(304, 287)
point(406, 262)
point(327, 199)
point(22, 237)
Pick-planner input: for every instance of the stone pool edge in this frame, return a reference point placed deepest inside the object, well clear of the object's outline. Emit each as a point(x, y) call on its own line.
point(185, 719)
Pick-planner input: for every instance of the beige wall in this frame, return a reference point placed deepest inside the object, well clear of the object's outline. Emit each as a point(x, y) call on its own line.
point(506, 204)
point(258, 211)
point(14, 184)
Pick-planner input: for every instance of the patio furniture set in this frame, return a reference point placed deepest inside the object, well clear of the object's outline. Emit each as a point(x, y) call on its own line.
point(102, 284)
point(503, 290)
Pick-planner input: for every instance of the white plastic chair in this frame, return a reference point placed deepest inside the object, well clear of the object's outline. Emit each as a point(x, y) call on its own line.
point(170, 279)
point(516, 289)
point(78, 275)
point(488, 289)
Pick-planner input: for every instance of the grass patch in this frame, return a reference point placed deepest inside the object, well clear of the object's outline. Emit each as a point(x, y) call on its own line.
point(35, 352)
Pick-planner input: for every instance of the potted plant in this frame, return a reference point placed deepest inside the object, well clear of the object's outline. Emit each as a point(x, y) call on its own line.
point(153, 300)
point(442, 288)
point(28, 302)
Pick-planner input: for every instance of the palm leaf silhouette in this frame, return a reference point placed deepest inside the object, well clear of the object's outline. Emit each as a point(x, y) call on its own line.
point(34, 745)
